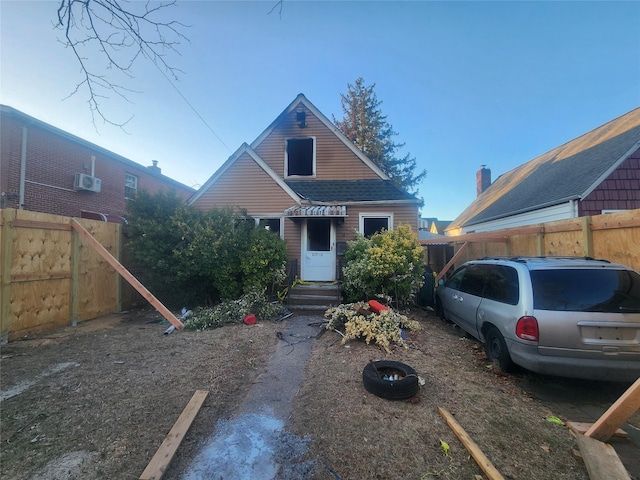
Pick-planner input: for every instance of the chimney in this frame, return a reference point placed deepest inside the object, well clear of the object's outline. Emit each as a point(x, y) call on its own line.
point(483, 179)
point(155, 168)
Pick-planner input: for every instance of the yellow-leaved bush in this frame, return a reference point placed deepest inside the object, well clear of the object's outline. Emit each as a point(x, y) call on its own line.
point(382, 328)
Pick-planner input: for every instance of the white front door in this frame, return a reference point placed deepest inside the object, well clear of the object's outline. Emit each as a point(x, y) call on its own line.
point(318, 250)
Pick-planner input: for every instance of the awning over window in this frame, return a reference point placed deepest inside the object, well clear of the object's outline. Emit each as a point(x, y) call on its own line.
point(316, 211)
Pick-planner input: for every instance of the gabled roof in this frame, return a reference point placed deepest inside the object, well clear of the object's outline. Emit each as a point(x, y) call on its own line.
point(301, 99)
point(569, 172)
point(244, 148)
point(349, 191)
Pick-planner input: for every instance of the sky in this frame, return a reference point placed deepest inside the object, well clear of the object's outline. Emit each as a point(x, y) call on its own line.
point(464, 84)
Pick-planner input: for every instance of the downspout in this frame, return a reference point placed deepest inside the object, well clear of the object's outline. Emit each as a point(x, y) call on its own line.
point(575, 208)
point(23, 167)
point(93, 166)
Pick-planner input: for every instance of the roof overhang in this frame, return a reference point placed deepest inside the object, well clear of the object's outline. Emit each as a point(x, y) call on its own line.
point(300, 211)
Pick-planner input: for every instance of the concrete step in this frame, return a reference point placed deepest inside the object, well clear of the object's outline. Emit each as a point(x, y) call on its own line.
point(300, 299)
point(314, 297)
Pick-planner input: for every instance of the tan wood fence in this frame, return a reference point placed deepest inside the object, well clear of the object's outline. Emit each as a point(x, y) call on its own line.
point(50, 277)
point(614, 237)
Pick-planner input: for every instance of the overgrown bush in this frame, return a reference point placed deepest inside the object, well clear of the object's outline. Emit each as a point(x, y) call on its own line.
point(233, 311)
point(190, 257)
point(358, 321)
point(389, 264)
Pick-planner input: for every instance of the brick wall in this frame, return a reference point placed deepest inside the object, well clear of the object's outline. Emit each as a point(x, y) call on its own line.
point(53, 157)
point(620, 190)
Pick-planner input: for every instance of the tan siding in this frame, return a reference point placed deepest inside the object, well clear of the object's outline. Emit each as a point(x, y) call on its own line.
point(334, 160)
point(401, 214)
point(246, 185)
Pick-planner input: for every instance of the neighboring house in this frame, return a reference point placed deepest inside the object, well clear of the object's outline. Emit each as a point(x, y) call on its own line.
point(312, 186)
point(45, 169)
point(433, 225)
point(596, 173)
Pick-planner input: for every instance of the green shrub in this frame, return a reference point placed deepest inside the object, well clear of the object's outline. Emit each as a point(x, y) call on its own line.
point(389, 264)
point(233, 311)
point(189, 257)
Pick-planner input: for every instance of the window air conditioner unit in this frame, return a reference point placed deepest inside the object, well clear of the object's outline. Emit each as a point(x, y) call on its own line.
point(82, 181)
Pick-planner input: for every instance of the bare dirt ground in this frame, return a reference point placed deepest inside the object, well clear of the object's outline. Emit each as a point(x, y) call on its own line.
point(96, 401)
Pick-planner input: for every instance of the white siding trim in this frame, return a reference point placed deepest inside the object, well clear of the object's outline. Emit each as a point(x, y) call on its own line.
point(562, 211)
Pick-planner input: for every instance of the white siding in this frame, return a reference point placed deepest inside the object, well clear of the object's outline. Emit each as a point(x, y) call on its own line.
point(550, 214)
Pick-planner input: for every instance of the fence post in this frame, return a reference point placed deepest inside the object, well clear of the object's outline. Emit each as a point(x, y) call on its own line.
point(540, 241)
point(587, 237)
point(6, 251)
point(75, 275)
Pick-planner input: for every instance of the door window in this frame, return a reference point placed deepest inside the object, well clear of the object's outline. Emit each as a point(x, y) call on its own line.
point(318, 234)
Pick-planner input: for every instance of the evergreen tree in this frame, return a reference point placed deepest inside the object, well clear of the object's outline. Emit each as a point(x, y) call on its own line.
point(364, 124)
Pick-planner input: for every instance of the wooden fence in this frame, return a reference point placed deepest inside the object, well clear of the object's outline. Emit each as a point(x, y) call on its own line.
point(614, 237)
point(50, 277)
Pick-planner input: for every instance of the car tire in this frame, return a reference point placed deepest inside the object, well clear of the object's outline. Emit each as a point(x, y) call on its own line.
point(402, 389)
point(496, 350)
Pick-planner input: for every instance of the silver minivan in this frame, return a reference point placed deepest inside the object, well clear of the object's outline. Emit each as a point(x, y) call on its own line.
point(570, 316)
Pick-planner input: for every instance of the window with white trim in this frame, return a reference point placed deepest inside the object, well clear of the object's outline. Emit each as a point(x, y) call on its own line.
point(273, 224)
point(372, 223)
point(130, 185)
point(300, 157)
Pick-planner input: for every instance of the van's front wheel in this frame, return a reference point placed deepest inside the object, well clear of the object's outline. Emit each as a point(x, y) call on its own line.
point(496, 350)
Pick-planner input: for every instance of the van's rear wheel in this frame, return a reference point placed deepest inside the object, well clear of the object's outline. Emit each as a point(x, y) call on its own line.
point(496, 350)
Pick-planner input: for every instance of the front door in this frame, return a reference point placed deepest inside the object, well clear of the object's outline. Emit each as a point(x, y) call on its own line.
point(318, 250)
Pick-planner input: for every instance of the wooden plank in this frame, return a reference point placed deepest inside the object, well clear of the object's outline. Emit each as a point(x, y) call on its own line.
point(160, 462)
point(618, 413)
point(483, 462)
point(601, 460)
point(35, 277)
point(6, 253)
point(452, 261)
point(582, 427)
point(135, 283)
point(40, 225)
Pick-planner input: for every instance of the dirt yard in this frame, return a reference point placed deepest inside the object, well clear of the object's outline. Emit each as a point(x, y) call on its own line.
point(97, 400)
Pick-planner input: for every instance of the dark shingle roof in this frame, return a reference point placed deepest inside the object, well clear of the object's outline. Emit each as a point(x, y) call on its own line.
point(565, 173)
point(349, 190)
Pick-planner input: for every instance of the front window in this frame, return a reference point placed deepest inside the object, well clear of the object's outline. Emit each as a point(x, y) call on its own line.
point(373, 223)
point(272, 224)
point(130, 185)
point(300, 157)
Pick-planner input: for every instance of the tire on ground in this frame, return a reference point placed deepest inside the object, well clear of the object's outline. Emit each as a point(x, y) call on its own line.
point(402, 389)
point(497, 352)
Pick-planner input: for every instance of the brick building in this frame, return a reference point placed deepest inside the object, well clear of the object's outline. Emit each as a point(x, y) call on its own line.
point(45, 169)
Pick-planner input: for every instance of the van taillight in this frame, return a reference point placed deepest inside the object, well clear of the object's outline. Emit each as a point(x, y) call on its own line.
point(527, 328)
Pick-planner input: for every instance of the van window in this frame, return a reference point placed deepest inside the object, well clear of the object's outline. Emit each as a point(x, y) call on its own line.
point(474, 279)
point(586, 290)
point(456, 279)
point(501, 284)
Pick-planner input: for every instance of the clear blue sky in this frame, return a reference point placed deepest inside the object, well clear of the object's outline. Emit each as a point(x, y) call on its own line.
point(463, 83)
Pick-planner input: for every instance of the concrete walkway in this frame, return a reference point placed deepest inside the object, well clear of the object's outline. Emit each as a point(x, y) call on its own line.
point(254, 444)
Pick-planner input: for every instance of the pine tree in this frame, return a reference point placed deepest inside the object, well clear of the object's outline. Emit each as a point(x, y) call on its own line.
point(364, 124)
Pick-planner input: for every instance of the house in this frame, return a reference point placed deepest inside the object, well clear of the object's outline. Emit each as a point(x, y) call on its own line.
point(433, 225)
point(45, 169)
point(596, 173)
point(308, 183)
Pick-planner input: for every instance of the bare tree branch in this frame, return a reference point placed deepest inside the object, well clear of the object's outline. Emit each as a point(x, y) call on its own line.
point(111, 35)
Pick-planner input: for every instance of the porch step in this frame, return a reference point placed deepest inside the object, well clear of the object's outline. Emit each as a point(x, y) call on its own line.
point(316, 297)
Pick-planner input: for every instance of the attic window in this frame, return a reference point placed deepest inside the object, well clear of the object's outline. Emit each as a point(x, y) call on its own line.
point(300, 157)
